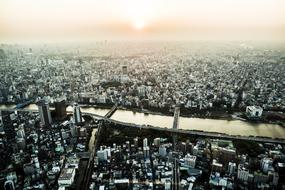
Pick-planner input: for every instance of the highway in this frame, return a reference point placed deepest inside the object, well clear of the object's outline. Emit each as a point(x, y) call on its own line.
point(176, 175)
point(89, 171)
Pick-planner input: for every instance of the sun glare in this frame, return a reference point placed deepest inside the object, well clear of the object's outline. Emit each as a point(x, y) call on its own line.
point(139, 24)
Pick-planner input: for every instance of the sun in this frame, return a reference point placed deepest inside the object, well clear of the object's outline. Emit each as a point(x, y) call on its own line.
point(139, 24)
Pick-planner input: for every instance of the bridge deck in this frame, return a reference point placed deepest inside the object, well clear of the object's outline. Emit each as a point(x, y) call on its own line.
point(176, 118)
point(112, 111)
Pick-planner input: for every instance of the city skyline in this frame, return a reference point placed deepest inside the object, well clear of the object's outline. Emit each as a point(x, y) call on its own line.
point(142, 95)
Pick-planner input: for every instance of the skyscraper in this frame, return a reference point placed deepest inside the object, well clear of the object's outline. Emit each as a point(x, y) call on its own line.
point(60, 109)
point(44, 112)
point(145, 144)
point(77, 113)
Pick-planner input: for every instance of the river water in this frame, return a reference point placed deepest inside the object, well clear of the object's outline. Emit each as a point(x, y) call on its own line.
point(231, 127)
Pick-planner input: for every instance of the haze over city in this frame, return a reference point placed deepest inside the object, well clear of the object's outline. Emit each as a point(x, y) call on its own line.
point(86, 20)
point(142, 94)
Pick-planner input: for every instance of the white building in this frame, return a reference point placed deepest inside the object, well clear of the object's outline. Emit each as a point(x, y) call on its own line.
point(101, 99)
point(66, 177)
point(156, 142)
point(266, 164)
point(146, 151)
point(77, 113)
point(145, 142)
point(190, 160)
point(162, 151)
point(141, 90)
point(232, 167)
point(254, 111)
point(102, 155)
point(242, 173)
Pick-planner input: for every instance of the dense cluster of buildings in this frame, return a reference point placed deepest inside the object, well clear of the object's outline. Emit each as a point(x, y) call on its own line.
point(147, 75)
point(52, 150)
point(205, 164)
point(41, 152)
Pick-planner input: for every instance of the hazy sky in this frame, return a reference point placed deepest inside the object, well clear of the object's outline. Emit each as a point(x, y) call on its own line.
point(82, 20)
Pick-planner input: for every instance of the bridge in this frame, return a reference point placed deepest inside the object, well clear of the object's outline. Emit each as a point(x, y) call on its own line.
point(112, 111)
point(175, 124)
point(176, 173)
point(182, 131)
point(176, 117)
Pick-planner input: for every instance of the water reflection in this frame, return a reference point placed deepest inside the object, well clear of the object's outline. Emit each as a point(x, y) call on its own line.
point(232, 127)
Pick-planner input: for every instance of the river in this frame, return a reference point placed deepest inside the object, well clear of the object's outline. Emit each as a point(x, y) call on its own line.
point(231, 127)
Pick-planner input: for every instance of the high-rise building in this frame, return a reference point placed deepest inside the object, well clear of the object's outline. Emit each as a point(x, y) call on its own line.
point(125, 70)
point(146, 151)
point(231, 167)
point(145, 142)
point(156, 142)
point(102, 155)
point(141, 90)
point(190, 160)
point(242, 173)
point(44, 112)
point(60, 109)
point(77, 113)
point(266, 164)
point(162, 151)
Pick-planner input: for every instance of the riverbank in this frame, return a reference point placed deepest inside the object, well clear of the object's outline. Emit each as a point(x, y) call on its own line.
point(217, 115)
point(272, 117)
point(164, 112)
point(232, 126)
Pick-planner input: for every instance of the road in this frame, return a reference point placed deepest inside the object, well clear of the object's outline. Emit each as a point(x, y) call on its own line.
point(176, 176)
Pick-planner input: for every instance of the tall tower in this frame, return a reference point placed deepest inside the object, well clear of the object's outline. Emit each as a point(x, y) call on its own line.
point(44, 113)
point(60, 109)
point(77, 113)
